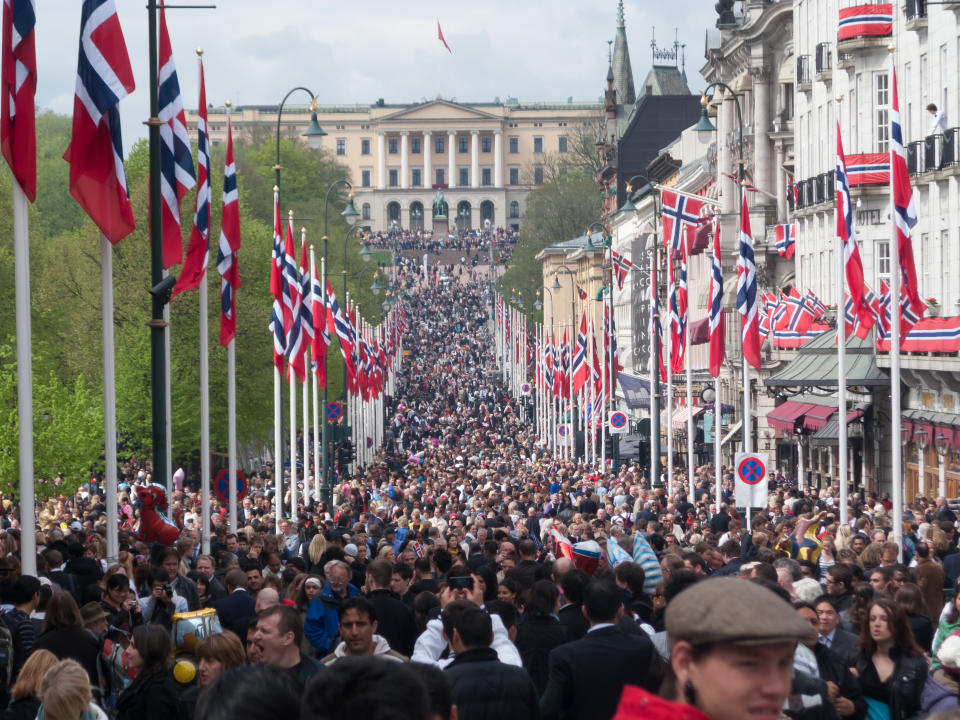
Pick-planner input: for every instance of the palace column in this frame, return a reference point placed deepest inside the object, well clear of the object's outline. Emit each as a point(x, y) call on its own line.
point(427, 162)
point(498, 158)
point(404, 159)
point(452, 161)
point(381, 160)
point(474, 158)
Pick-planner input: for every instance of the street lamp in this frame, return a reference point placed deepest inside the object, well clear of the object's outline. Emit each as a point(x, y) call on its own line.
point(920, 439)
point(942, 445)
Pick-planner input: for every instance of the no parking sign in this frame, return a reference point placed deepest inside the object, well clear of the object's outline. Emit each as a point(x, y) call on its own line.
point(751, 479)
point(618, 422)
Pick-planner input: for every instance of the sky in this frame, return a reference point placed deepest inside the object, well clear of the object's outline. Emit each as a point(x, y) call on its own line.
point(357, 52)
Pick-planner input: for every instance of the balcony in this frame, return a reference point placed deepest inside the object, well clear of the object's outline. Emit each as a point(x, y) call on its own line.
point(935, 152)
point(916, 14)
point(823, 58)
point(804, 81)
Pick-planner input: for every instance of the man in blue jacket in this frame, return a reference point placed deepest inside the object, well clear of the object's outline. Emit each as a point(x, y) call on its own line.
point(322, 623)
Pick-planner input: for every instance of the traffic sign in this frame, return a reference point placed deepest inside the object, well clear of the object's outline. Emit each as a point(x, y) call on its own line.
point(369, 442)
point(525, 389)
point(334, 411)
point(221, 485)
point(618, 422)
point(751, 479)
point(562, 430)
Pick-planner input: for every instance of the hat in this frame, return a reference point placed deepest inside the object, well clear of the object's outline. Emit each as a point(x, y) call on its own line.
point(349, 549)
point(317, 581)
point(92, 612)
point(736, 611)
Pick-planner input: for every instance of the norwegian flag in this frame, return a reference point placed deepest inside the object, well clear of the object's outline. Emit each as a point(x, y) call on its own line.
point(770, 304)
point(679, 212)
point(657, 327)
point(580, 356)
point(865, 21)
point(868, 169)
point(298, 363)
point(611, 358)
point(97, 178)
point(229, 246)
point(852, 266)
point(786, 240)
point(800, 315)
point(276, 288)
point(882, 313)
point(747, 292)
point(291, 298)
point(581, 293)
point(321, 335)
point(746, 186)
point(904, 209)
point(597, 369)
point(813, 302)
point(198, 249)
point(565, 367)
point(717, 336)
point(621, 268)
point(18, 136)
point(780, 317)
point(678, 317)
point(176, 160)
point(338, 324)
point(547, 365)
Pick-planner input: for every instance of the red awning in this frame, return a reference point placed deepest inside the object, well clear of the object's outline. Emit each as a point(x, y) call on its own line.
point(784, 416)
point(854, 415)
point(700, 332)
point(817, 417)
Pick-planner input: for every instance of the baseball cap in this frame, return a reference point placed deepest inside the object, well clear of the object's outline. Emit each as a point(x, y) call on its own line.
point(350, 549)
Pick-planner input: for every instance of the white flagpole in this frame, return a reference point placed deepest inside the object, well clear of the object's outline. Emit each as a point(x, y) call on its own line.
point(204, 420)
point(654, 364)
point(572, 421)
point(109, 395)
point(306, 387)
point(592, 452)
point(668, 363)
point(293, 441)
point(686, 355)
point(316, 385)
point(717, 439)
point(277, 444)
point(842, 362)
point(603, 396)
point(232, 430)
point(896, 470)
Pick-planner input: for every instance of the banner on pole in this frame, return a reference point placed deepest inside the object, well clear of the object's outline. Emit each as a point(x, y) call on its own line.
point(751, 479)
point(617, 423)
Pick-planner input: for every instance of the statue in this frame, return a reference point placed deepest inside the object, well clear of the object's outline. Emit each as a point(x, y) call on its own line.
point(439, 205)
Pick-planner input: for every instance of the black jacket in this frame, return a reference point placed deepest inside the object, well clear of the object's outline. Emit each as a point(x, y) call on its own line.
point(394, 621)
point(572, 618)
point(587, 676)
point(906, 684)
point(833, 669)
point(235, 611)
point(25, 709)
point(537, 635)
point(845, 645)
point(483, 688)
point(152, 696)
point(808, 699)
point(77, 644)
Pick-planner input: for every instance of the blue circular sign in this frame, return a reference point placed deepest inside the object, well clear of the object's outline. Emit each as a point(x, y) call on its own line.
point(221, 485)
point(334, 411)
point(618, 420)
point(562, 430)
point(751, 470)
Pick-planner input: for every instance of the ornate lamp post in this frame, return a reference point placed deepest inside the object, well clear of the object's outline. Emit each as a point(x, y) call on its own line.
point(942, 445)
point(921, 440)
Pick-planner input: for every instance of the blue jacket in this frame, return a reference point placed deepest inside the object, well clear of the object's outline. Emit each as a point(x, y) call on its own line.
point(322, 623)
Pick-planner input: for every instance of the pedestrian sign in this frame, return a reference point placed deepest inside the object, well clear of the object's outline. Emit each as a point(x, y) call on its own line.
point(618, 422)
point(525, 389)
point(221, 485)
point(751, 480)
point(334, 411)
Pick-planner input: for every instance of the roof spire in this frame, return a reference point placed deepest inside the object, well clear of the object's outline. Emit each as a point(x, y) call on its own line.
point(620, 20)
point(622, 71)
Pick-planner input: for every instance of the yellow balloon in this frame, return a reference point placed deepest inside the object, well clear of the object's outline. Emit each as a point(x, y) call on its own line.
point(184, 671)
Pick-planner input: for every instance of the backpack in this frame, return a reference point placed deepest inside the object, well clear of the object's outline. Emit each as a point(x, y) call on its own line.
point(6, 653)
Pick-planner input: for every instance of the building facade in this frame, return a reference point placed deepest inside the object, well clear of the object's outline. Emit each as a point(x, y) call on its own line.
point(485, 157)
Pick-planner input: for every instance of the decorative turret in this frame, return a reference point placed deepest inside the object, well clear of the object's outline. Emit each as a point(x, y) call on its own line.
point(622, 71)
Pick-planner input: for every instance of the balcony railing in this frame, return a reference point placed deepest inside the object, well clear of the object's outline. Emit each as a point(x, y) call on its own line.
point(915, 157)
point(915, 9)
point(824, 58)
point(803, 70)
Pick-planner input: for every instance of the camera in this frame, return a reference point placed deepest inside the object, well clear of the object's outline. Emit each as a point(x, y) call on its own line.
point(168, 589)
point(460, 583)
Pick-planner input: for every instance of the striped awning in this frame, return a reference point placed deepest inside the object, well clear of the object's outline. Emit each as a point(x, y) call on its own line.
point(816, 418)
point(680, 415)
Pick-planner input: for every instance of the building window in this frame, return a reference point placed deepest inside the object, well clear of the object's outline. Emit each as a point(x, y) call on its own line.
point(538, 144)
point(394, 178)
point(562, 143)
point(415, 146)
point(417, 177)
point(485, 144)
point(538, 175)
point(881, 87)
point(514, 144)
point(365, 211)
point(463, 144)
point(464, 177)
point(439, 144)
point(392, 146)
point(341, 146)
point(514, 176)
point(514, 209)
point(365, 146)
point(440, 176)
point(883, 261)
point(485, 177)
point(365, 178)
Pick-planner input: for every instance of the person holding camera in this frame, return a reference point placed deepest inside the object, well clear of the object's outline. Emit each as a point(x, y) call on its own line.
point(162, 603)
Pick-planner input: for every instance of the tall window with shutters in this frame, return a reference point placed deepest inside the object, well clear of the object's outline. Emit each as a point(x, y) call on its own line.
point(881, 91)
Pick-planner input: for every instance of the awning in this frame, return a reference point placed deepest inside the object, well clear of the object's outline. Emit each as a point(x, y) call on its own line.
point(680, 415)
point(733, 432)
point(636, 391)
point(815, 366)
point(829, 434)
point(816, 418)
point(784, 416)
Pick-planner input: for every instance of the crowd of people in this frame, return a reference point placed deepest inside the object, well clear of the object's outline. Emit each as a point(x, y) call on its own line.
point(467, 573)
point(466, 240)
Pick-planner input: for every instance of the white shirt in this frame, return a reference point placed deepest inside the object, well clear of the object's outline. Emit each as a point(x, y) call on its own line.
point(938, 124)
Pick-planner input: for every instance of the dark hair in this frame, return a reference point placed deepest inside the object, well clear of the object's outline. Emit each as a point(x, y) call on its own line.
point(953, 614)
point(380, 571)
point(631, 574)
point(62, 612)
point(168, 552)
point(364, 687)
point(20, 590)
point(438, 688)
point(910, 599)
point(361, 605)
point(118, 581)
point(288, 620)
point(541, 598)
point(903, 638)
point(573, 584)
point(443, 560)
point(510, 584)
point(765, 572)
point(153, 643)
point(679, 581)
point(158, 574)
point(506, 611)
point(250, 693)
point(403, 570)
point(423, 606)
point(470, 621)
point(841, 574)
point(932, 107)
point(825, 599)
point(601, 600)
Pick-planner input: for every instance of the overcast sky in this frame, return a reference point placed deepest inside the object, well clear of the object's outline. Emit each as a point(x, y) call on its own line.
point(356, 52)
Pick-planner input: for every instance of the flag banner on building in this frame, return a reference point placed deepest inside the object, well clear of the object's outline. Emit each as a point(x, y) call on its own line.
point(865, 21)
point(868, 169)
point(198, 249)
point(104, 77)
point(813, 302)
point(565, 367)
point(678, 213)
point(18, 137)
point(176, 158)
point(904, 208)
point(786, 240)
point(717, 334)
point(852, 265)
point(747, 292)
point(229, 246)
point(932, 334)
point(621, 268)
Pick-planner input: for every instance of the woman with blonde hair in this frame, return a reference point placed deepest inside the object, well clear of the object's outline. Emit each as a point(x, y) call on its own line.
point(315, 551)
point(25, 695)
point(844, 537)
point(65, 694)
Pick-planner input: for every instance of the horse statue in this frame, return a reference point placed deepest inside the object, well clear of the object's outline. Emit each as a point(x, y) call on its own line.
point(440, 207)
point(804, 544)
point(155, 527)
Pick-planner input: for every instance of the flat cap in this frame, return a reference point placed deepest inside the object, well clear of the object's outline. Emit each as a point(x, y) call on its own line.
point(731, 610)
